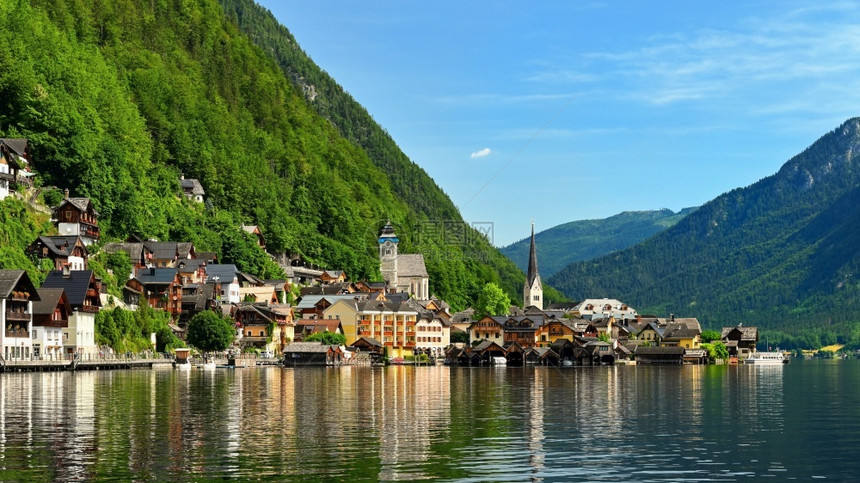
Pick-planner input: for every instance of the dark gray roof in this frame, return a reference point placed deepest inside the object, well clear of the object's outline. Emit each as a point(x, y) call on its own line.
point(162, 250)
point(82, 204)
point(59, 245)
point(225, 272)
point(75, 285)
point(189, 265)
point(306, 347)
point(10, 279)
point(134, 250)
point(369, 340)
point(183, 249)
point(156, 276)
point(16, 145)
point(192, 185)
point(747, 333)
point(643, 350)
point(49, 298)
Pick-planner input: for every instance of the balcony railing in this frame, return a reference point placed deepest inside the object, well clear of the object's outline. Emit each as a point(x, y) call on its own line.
point(17, 316)
point(23, 333)
point(89, 309)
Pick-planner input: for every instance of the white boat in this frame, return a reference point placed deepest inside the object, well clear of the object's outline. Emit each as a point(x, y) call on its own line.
point(499, 361)
point(766, 358)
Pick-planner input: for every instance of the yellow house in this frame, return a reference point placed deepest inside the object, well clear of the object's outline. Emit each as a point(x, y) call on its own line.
point(345, 310)
point(557, 329)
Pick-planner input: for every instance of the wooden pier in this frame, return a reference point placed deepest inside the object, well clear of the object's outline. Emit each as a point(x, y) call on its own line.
point(83, 364)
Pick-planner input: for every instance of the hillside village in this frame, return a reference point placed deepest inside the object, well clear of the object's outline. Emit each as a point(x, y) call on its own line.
point(396, 319)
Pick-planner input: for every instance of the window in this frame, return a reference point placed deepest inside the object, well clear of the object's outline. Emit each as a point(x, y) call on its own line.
point(34, 333)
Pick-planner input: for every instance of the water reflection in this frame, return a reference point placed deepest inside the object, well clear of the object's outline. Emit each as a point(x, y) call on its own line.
point(456, 424)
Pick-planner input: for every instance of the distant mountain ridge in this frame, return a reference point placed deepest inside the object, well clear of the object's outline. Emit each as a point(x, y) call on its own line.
point(780, 253)
point(583, 240)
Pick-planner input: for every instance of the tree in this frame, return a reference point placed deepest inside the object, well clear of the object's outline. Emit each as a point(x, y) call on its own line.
point(209, 331)
point(327, 338)
point(492, 300)
point(710, 336)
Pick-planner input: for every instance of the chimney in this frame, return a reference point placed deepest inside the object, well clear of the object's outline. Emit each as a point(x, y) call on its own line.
point(67, 272)
point(66, 194)
point(152, 271)
point(672, 316)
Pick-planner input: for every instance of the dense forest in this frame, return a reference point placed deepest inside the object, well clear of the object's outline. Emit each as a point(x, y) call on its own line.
point(581, 240)
point(121, 98)
point(780, 254)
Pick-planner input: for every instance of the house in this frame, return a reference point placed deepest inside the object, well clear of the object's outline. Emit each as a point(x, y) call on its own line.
point(192, 189)
point(196, 297)
point(61, 250)
point(76, 216)
point(311, 354)
point(226, 278)
point(306, 327)
point(160, 288)
point(258, 234)
point(521, 330)
point(488, 328)
point(316, 306)
point(390, 321)
point(17, 296)
point(135, 252)
point(592, 309)
point(191, 271)
point(680, 335)
point(560, 328)
point(371, 346)
point(161, 254)
point(50, 316)
point(659, 355)
point(258, 327)
point(83, 290)
point(740, 340)
point(14, 165)
point(345, 311)
point(487, 351)
point(432, 334)
point(332, 276)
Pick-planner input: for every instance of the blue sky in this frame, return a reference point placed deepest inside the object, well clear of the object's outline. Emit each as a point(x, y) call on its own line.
point(562, 111)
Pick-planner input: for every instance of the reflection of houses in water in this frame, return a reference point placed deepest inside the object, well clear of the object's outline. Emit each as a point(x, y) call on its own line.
point(408, 405)
point(536, 423)
point(48, 415)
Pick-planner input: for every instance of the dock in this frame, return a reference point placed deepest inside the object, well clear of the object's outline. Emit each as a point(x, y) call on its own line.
point(84, 364)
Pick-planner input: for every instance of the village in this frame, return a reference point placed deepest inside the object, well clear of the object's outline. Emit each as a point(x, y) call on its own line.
point(396, 321)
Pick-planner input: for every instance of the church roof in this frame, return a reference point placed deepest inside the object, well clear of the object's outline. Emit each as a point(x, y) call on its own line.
point(411, 266)
point(533, 266)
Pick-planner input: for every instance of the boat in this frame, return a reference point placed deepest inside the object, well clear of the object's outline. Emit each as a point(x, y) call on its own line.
point(499, 361)
point(766, 358)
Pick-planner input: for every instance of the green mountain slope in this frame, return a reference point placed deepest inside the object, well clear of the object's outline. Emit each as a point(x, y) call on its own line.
point(120, 98)
point(576, 241)
point(781, 253)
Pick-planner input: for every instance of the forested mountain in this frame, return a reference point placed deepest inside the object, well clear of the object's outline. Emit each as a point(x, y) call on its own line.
point(119, 99)
point(781, 254)
point(581, 240)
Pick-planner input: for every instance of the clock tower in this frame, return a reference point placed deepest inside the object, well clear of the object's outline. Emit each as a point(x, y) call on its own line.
point(388, 254)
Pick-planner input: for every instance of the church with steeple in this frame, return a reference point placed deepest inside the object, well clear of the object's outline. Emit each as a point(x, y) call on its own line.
point(403, 272)
point(532, 289)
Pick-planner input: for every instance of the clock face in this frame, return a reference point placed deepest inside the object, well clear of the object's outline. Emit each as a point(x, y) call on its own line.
point(388, 243)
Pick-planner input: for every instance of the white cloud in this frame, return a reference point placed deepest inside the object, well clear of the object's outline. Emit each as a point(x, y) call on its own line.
point(481, 153)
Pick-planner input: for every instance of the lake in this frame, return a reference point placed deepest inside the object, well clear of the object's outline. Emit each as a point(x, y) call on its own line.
point(707, 423)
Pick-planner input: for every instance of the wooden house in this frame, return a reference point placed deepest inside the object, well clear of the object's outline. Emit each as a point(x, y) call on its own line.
point(83, 290)
point(77, 216)
point(17, 296)
point(740, 340)
point(50, 316)
point(160, 288)
point(14, 165)
point(257, 233)
point(63, 251)
point(311, 354)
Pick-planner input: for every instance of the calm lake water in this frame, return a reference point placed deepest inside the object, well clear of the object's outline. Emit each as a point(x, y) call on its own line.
point(707, 423)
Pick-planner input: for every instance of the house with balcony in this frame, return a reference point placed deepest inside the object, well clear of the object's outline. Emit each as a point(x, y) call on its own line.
point(560, 328)
point(160, 288)
point(14, 165)
point(17, 296)
point(432, 334)
point(76, 216)
point(391, 322)
point(61, 250)
point(83, 290)
point(740, 340)
point(50, 316)
point(225, 276)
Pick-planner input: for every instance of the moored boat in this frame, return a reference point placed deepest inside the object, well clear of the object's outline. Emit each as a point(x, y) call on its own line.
point(766, 358)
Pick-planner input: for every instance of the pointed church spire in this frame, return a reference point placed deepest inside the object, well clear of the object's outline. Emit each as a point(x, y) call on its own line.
point(533, 268)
